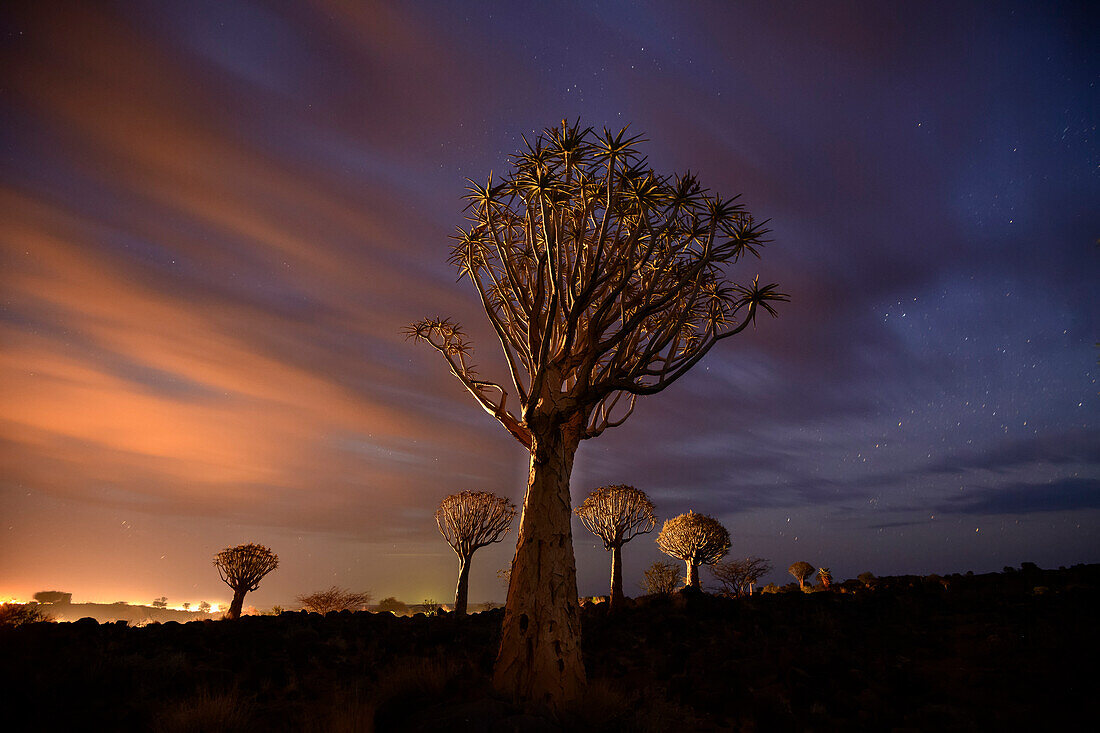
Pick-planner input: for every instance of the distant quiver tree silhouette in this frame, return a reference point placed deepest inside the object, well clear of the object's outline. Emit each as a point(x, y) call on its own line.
point(617, 514)
point(241, 568)
point(801, 570)
point(697, 540)
point(603, 281)
point(468, 521)
point(333, 599)
point(55, 597)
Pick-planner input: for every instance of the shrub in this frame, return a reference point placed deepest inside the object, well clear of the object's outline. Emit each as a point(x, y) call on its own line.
point(394, 606)
point(737, 577)
point(662, 577)
point(17, 614)
point(333, 599)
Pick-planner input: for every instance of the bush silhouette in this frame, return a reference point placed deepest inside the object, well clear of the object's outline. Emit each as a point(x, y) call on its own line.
point(17, 614)
point(392, 605)
point(333, 599)
point(737, 577)
point(662, 577)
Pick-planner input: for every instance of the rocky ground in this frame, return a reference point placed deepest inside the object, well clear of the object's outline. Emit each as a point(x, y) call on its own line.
point(1012, 650)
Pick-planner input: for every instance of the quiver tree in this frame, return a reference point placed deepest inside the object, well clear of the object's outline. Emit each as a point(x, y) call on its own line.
point(737, 577)
point(334, 599)
point(697, 540)
point(602, 281)
point(801, 570)
point(825, 577)
point(241, 568)
point(470, 520)
point(617, 514)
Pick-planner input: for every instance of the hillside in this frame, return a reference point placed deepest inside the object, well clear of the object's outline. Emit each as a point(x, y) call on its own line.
point(956, 653)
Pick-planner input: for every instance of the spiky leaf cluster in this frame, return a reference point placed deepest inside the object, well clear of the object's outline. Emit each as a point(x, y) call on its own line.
point(601, 277)
point(472, 519)
point(694, 538)
point(617, 514)
point(242, 567)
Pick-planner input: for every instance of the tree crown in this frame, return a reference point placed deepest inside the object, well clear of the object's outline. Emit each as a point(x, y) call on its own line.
point(472, 519)
point(694, 538)
point(600, 277)
point(617, 514)
point(242, 567)
point(801, 570)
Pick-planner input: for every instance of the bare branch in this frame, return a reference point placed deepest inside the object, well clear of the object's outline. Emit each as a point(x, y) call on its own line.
point(599, 276)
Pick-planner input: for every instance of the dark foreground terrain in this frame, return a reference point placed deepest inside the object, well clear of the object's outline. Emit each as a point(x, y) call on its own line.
point(1009, 651)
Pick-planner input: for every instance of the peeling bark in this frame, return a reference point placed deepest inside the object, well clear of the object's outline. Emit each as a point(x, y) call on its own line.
point(540, 661)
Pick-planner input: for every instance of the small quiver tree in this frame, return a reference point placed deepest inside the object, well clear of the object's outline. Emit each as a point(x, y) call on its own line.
point(334, 599)
point(737, 577)
point(617, 514)
point(662, 578)
point(470, 520)
point(825, 577)
point(242, 568)
point(801, 570)
point(697, 540)
point(603, 281)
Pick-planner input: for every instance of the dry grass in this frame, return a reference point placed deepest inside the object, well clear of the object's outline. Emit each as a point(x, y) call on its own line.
point(214, 711)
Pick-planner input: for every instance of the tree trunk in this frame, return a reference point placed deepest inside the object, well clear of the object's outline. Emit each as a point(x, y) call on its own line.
point(693, 575)
point(616, 576)
point(463, 590)
point(540, 659)
point(237, 604)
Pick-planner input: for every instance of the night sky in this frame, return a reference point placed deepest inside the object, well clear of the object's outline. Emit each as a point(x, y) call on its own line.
point(217, 217)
